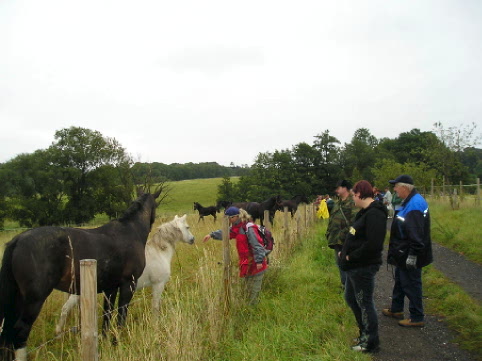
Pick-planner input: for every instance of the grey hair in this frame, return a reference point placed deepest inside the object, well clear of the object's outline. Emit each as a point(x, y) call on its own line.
point(243, 215)
point(409, 187)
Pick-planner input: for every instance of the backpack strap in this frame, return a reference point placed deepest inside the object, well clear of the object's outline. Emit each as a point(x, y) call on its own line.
point(343, 214)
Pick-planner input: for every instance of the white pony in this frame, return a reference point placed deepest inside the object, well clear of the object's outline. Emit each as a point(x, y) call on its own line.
point(159, 252)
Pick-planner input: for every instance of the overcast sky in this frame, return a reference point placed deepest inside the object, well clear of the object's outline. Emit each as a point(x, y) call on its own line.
point(198, 81)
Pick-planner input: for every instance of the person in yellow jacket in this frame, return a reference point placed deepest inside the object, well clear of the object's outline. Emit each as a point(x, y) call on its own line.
point(323, 210)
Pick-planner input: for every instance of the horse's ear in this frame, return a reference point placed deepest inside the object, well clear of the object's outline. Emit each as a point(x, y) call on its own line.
point(176, 217)
point(157, 194)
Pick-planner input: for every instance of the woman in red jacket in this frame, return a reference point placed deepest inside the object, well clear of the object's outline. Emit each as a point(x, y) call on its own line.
point(252, 255)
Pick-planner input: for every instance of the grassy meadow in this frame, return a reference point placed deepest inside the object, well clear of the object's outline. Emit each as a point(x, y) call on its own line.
point(301, 316)
point(458, 229)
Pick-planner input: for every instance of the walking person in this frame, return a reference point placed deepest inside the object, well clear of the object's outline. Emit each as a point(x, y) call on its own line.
point(251, 253)
point(387, 201)
point(361, 258)
point(341, 218)
point(409, 250)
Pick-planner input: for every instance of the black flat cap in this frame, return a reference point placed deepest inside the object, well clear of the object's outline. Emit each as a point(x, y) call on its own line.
point(344, 183)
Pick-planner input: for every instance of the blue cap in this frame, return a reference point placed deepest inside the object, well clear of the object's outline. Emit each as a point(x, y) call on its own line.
point(232, 211)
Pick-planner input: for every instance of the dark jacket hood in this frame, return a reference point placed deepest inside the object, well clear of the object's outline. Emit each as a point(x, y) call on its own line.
point(377, 205)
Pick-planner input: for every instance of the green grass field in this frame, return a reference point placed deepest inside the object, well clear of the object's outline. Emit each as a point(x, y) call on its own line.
point(302, 314)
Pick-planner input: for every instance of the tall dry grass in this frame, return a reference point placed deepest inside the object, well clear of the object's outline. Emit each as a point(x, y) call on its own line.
point(192, 323)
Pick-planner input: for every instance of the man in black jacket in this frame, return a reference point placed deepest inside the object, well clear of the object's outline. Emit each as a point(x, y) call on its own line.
point(409, 250)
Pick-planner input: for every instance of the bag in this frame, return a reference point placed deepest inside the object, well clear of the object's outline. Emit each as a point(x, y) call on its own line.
point(266, 237)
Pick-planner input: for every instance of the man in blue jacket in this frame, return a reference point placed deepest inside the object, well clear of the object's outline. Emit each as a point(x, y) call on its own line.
point(409, 250)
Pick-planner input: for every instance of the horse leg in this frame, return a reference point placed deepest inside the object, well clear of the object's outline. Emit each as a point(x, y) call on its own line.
point(125, 296)
point(23, 326)
point(157, 290)
point(67, 307)
point(109, 301)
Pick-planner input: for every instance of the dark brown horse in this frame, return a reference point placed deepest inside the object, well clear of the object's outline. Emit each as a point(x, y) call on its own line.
point(42, 259)
point(293, 203)
point(255, 209)
point(205, 211)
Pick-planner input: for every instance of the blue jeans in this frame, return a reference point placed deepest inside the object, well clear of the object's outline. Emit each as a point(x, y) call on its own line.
point(408, 283)
point(359, 287)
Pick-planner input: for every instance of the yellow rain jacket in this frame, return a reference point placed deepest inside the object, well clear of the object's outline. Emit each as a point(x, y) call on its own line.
point(323, 210)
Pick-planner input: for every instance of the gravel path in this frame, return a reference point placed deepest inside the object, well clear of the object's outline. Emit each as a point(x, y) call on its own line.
point(457, 268)
point(433, 342)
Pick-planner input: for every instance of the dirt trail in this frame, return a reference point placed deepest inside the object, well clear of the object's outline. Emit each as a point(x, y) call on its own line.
point(457, 268)
point(433, 342)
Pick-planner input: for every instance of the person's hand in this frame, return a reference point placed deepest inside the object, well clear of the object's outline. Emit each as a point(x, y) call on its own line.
point(206, 237)
point(411, 262)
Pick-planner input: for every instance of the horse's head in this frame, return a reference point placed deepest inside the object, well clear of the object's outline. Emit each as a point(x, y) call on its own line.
point(279, 200)
point(181, 223)
point(196, 206)
point(144, 206)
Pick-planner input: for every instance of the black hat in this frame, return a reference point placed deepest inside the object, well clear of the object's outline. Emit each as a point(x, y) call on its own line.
point(344, 183)
point(404, 178)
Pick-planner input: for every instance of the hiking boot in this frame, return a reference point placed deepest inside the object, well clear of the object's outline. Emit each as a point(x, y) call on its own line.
point(365, 349)
point(409, 323)
point(388, 313)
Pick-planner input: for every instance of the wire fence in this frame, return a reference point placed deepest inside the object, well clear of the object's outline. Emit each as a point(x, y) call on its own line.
point(454, 192)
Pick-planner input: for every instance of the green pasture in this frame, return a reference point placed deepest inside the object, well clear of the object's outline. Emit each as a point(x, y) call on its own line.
point(184, 193)
point(458, 229)
point(302, 314)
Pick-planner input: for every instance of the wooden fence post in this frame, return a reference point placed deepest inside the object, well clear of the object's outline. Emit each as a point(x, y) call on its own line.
point(227, 266)
point(287, 233)
point(266, 221)
point(299, 225)
point(477, 200)
point(88, 309)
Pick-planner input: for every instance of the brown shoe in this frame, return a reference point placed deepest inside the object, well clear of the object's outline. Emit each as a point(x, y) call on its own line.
point(388, 313)
point(408, 323)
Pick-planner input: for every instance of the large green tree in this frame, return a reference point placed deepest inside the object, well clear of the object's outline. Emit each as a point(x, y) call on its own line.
point(35, 189)
point(88, 160)
point(359, 155)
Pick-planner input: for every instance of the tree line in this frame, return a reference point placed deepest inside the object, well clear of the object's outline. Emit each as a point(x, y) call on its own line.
point(311, 169)
point(82, 174)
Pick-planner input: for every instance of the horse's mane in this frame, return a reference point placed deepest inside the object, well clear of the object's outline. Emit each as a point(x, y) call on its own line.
point(167, 233)
point(133, 209)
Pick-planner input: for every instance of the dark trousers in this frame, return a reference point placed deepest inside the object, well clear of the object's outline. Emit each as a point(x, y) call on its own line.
point(359, 287)
point(408, 283)
point(342, 273)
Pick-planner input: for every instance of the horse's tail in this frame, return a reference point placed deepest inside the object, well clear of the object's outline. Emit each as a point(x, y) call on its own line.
point(9, 292)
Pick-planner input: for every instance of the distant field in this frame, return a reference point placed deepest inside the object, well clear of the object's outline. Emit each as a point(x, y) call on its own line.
point(185, 193)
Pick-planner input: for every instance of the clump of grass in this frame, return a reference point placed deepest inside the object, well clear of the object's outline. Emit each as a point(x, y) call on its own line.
point(461, 312)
